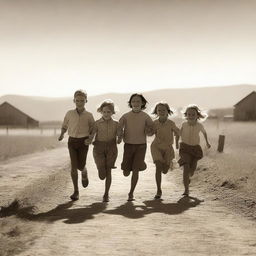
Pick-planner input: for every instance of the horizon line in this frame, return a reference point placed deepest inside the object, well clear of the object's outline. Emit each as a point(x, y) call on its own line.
point(122, 93)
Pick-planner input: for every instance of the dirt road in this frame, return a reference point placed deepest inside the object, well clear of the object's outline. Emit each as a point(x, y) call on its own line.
point(174, 225)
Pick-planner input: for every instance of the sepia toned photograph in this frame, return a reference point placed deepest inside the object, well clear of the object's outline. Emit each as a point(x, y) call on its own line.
point(127, 127)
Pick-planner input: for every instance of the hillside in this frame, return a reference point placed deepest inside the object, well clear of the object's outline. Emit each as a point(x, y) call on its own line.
point(54, 109)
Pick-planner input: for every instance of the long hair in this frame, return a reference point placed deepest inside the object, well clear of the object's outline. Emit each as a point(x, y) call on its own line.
point(144, 101)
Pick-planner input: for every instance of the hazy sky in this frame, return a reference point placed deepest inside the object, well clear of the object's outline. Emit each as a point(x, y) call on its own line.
point(53, 47)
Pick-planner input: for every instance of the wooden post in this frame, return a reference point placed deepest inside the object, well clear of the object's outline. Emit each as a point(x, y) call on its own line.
point(7, 130)
point(221, 143)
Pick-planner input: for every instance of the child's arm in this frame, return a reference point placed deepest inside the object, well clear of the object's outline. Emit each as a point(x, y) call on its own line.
point(176, 131)
point(206, 139)
point(120, 130)
point(150, 127)
point(63, 130)
point(92, 131)
point(64, 127)
point(92, 135)
point(177, 138)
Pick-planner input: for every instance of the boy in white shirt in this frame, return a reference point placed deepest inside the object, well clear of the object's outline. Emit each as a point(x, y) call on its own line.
point(79, 123)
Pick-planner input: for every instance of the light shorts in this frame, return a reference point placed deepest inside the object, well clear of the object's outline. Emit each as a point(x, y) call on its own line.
point(163, 153)
point(104, 154)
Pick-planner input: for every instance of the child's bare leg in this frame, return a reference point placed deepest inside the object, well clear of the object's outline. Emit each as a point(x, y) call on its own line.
point(102, 173)
point(134, 181)
point(193, 166)
point(107, 185)
point(186, 178)
point(158, 177)
point(84, 177)
point(74, 177)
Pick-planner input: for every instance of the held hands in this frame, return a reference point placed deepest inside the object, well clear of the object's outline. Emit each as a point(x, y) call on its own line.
point(87, 141)
point(119, 140)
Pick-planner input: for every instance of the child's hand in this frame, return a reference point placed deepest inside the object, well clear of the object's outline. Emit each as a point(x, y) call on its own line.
point(149, 131)
point(61, 137)
point(87, 141)
point(208, 145)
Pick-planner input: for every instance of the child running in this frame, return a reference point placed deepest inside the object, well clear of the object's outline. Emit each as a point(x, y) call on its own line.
point(190, 150)
point(161, 148)
point(133, 127)
point(79, 123)
point(105, 148)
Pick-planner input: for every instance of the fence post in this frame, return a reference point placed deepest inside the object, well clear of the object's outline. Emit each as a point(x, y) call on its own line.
point(221, 143)
point(7, 130)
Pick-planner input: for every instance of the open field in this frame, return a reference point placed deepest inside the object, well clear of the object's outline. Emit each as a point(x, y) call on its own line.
point(231, 175)
point(237, 162)
point(16, 145)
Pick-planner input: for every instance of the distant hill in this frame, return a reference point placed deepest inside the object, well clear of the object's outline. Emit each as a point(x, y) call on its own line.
point(54, 109)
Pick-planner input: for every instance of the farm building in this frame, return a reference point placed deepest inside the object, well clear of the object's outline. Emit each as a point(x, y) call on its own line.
point(245, 109)
point(11, 116)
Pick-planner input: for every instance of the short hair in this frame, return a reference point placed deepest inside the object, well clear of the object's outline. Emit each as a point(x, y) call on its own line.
point(197, 109)
point(107, 103)
point(144, 101)
point(80, 93)
point(170, 112)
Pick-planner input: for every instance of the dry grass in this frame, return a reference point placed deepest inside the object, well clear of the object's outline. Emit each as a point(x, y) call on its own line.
point(236, 165)
point(12, 146)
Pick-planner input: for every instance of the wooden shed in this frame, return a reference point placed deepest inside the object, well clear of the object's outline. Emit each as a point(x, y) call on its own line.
point(245, 109)
point(11, 116)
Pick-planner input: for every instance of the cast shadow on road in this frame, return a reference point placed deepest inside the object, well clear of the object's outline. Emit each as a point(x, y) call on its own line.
point(62, 212)
point(133, 211)
point(76, 215)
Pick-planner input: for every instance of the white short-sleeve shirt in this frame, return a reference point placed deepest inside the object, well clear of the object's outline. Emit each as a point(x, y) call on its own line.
point(190, 133)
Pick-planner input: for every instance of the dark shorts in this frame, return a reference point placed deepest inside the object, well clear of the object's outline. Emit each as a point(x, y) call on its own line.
point(104, 154)
point(189, 154)
point(133, 157)
point(78, 152)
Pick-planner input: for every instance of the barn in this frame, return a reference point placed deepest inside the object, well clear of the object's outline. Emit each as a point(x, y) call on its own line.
point(245, 109)
point(11, 116)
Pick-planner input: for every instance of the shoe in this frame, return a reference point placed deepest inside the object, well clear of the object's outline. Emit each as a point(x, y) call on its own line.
point(130, 198)
point(185, 194)
point(85, 180)
point(158, 196)
point(75, 196)
point(105, 199)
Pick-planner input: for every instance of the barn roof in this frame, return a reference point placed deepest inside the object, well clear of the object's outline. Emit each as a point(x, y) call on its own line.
point(4, 103)
point(246, 97)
